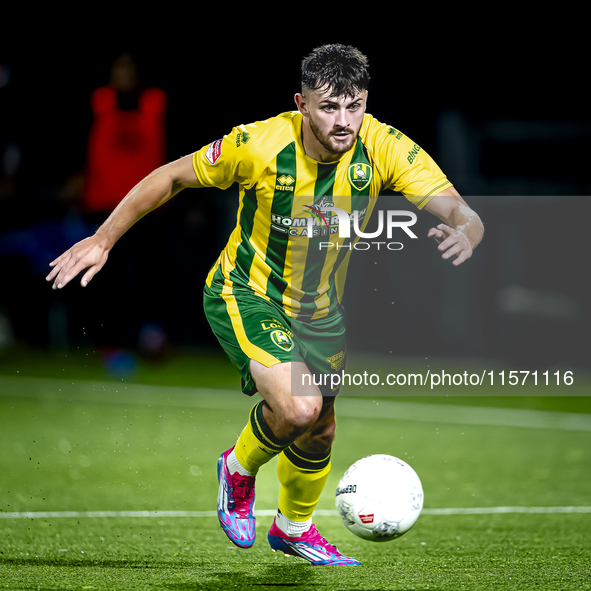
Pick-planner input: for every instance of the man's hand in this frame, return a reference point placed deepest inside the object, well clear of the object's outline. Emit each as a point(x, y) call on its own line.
point(90, 253)
point(462, 229)
point(451, 242)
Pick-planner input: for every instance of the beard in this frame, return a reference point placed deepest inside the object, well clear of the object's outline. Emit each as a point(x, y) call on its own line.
point(332, 144)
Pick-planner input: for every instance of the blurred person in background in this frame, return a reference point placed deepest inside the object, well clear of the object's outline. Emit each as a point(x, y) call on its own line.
point(127, 141)
point(42, 213)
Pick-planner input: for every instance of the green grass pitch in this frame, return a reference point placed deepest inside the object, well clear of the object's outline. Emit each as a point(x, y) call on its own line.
point(83, 454)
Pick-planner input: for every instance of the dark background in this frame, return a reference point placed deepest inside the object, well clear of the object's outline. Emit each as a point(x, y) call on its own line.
point(505, 116)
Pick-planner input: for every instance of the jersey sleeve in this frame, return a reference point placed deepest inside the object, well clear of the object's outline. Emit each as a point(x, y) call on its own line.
point(223, 163)
point(406, 168)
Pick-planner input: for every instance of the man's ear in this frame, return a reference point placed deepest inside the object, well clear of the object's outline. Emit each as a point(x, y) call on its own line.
point(300, 101)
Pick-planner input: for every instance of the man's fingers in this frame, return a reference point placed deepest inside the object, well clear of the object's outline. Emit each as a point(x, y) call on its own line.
point(83, 255)
point(93, 271)
point(455, 245)
point(68, 272)
point(62, 262)
point(464, 255)
point(453, 249)
point(448, 243)
point(460, 250)
point(436, 234)
point(63, 257)
point(440, 233)
point(88, 276)
point(56, 264)
point(451, 243)
point(62, 280)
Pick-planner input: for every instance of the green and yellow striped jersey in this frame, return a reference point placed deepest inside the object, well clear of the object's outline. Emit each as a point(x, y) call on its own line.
point(270, 252)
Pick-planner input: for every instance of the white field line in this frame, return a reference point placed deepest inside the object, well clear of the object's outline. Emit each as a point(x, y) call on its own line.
point(271, 512)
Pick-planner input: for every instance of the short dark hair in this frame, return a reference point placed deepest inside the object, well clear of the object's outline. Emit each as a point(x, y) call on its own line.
point(341, 68)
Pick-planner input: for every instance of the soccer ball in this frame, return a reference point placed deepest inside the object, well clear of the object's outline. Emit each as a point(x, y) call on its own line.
point(379, 498)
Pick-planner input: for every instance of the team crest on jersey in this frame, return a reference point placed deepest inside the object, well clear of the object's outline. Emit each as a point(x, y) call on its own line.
point(360, 175)
point(282, 340)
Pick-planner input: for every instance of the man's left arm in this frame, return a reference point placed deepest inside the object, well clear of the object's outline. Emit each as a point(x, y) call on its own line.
point(462, 229)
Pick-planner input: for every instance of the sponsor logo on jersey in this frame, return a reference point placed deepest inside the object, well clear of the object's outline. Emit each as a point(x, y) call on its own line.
point(393, 131)
point(360, 175)
point(412, 154)
point(326, 201)
point(284, 183)
point(319, 223)
point(213, 152)
point(281, 223)
point(317, 214)
point(242, 138)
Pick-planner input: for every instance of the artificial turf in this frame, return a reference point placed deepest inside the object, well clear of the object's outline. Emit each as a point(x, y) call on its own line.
point(89, 441)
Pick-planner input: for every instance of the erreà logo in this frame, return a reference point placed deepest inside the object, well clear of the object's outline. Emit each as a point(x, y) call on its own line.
point(284, 183)
point(360, 175)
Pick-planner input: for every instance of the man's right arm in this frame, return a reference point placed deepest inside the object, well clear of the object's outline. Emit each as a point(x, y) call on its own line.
point(92, 252)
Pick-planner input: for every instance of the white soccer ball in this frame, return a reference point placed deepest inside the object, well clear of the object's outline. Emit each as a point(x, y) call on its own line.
point(379, 498)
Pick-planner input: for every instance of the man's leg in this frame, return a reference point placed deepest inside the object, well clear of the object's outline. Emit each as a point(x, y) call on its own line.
point(279, 419)
point(298, 415)
point(303, 470)
point(274, 423)
point(295, 413)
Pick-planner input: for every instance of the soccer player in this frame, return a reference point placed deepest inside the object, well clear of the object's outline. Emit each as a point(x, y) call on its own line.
point(271, 298)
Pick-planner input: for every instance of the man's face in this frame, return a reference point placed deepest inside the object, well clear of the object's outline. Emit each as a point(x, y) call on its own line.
point(333, 121)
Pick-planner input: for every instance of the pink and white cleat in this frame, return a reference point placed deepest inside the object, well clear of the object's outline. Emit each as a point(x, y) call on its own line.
point(236, 504)
point(310, 546)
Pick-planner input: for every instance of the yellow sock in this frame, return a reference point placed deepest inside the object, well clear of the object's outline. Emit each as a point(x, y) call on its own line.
point(257, 444)
point(302, 477)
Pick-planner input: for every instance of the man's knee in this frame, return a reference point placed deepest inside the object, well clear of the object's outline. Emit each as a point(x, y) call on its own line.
point(290, 412)
point(302, 412)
